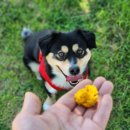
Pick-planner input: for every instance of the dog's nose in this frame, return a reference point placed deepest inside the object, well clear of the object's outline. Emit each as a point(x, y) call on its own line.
point(74, 70)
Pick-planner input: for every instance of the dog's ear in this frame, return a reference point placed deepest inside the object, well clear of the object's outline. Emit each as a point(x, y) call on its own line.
point(47, 41)
point(88, 37)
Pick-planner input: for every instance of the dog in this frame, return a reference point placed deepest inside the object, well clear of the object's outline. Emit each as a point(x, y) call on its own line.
point(61, 59)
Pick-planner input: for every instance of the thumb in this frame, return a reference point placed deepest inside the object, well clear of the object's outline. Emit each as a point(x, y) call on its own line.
point(32, 104)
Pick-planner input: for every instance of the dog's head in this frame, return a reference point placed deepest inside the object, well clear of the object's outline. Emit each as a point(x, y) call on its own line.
point(68, 53)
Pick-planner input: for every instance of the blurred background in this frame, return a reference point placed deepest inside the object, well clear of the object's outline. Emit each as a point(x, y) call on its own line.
point(108, 19)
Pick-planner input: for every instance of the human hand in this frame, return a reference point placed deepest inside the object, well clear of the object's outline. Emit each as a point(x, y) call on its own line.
point(65, 114)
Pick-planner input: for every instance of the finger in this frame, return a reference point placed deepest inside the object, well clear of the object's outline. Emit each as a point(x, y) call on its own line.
point(106, 88)
point(102, 114)
point(68, 98)
point(79, 110)
point(89, 113)
point(31, 104)
point(99, 81)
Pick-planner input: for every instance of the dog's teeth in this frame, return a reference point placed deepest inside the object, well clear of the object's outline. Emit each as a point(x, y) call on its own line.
point(74, 83)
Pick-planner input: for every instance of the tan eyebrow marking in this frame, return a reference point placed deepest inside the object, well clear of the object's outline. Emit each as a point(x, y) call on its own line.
point(75, 47)
point(64, 49)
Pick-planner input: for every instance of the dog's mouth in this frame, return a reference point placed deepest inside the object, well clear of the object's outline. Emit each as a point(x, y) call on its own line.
point(73, 83)
point(73, 80)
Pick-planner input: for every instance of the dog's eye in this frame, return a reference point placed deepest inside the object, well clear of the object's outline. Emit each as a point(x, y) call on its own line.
point(80, 52)
point(61, 56)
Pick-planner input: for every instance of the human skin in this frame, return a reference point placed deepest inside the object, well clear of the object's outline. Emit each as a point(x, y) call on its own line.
point(65, 114)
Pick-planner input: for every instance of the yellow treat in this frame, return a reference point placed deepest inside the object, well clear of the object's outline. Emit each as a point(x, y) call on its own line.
point(87, 96)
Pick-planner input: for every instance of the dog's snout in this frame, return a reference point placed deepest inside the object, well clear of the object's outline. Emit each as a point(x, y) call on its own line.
point(74, 70)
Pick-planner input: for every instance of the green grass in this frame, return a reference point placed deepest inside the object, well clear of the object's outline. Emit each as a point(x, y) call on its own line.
point(109, 19)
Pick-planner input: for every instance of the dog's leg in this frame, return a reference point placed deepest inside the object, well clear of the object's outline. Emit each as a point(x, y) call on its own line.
point(51, 99)
point(35, 68)
point(49, 102)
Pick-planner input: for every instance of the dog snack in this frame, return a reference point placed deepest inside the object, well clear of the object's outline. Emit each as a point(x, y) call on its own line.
point(87, 96)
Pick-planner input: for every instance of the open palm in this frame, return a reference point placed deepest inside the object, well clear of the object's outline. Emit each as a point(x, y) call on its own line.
point(65, 114)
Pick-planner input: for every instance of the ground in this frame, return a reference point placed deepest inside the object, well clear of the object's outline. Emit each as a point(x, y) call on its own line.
point(108, 19)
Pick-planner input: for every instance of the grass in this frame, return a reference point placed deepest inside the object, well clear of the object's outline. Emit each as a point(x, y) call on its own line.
point(109, 19)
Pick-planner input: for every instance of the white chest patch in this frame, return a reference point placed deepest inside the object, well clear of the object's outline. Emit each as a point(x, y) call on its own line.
point(60, 81)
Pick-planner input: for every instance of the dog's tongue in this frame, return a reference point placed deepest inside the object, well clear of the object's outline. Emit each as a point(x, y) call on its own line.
point(74, 78)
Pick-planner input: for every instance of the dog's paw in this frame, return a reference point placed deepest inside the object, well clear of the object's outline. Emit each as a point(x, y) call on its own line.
point(49, 102)
point(46, 106)
point(39, 77)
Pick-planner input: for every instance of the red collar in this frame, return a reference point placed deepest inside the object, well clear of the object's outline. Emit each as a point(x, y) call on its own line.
point(42, 70)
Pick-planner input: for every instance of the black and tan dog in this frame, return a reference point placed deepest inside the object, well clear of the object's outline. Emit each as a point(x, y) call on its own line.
point(60, 59)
